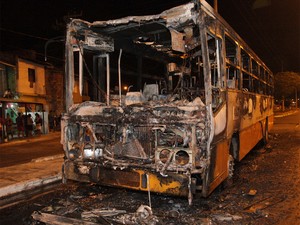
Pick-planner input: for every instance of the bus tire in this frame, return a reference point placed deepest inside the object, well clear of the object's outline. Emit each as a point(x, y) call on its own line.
point(228, 182)
point(266, 133)
point(234, 147)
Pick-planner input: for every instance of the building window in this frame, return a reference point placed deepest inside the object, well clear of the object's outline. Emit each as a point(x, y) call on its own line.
point(31, 76)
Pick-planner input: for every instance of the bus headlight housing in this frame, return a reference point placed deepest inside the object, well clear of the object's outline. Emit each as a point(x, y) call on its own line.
point(74, 152)
point(174, 159)
point(89, 152)
point(182, 158)
point(164, 155)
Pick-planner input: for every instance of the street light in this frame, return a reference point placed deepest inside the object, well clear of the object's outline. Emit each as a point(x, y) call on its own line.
point(56, 39)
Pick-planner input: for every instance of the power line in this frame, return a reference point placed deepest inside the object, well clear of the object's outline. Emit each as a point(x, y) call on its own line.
point(37, 53)
point(24, 34)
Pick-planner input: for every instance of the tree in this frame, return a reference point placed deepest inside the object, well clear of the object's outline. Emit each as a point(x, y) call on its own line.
point(287, 85)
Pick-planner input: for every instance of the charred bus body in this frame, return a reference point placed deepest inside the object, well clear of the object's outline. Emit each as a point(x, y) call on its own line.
point(202, 99)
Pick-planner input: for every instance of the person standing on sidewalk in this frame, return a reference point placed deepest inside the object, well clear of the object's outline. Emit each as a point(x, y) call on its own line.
point(29, 125)
point(20, 125)
point(38, 124)
point(9, 126)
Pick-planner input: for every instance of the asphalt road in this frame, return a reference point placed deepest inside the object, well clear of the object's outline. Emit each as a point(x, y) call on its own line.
point(25, 150)
point(287, 123)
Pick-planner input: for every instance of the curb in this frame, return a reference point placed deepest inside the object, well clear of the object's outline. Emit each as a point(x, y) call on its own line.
point(286, 114)
point(27, 185)
point(42, 159)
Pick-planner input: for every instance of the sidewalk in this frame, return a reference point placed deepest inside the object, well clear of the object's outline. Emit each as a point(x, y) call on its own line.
point(15, 179)
point(45, 137)
point(285, 113)
point(38, 172)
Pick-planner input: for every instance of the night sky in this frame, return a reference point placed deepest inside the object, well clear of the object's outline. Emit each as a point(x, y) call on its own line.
point(270, 27)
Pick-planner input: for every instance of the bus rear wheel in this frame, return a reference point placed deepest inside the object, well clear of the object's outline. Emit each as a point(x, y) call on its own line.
point(229, 180)
point(266, 133)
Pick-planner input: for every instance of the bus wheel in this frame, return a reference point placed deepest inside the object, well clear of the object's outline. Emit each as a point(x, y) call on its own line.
point(266, 133)
point(229, 180)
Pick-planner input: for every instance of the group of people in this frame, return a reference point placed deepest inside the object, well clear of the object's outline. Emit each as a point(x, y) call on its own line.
point(26, 126)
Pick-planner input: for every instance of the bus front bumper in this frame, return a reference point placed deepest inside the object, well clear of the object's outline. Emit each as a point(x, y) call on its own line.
point(137, 179)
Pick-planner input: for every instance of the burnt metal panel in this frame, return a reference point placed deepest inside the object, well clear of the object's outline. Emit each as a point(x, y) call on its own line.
point(119, 178)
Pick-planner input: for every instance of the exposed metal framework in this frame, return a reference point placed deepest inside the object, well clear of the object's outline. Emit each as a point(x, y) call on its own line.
point(191, 99)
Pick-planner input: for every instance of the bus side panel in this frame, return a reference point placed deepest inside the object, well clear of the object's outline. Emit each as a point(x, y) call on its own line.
point(249, 137)
point(270, 122)
point(234, 107)
point(219, 164)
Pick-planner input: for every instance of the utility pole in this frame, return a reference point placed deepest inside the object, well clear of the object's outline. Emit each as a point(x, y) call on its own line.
point(216, 5)
point(296, 97)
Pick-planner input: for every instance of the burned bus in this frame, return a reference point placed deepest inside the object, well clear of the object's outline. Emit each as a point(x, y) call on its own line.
point(170, 101)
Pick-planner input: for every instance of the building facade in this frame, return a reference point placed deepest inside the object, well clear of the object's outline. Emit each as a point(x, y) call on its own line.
point(22, 91)
point(28, 86)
